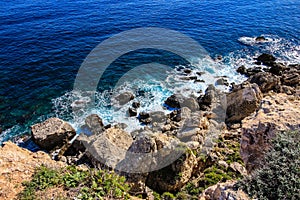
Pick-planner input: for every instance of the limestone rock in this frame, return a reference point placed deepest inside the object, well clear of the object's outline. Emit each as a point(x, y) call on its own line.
point(18, 165)
point(243, 101)
point(224, 191)
point(190, 103)
point(278, 112)
point(52, 133)
point(108, 148)
point(174, 176)
point(93, 125)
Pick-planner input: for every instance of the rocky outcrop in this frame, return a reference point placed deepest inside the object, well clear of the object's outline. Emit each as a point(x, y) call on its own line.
point(52, 133)
point(224, 191)
point(18, 165)
point(242, 101)
point(277, 112)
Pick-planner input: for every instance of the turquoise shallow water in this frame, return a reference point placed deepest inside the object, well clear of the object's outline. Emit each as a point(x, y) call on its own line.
point(42, 45)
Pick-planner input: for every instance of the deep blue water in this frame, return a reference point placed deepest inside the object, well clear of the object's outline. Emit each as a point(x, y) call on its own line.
point(43, 43)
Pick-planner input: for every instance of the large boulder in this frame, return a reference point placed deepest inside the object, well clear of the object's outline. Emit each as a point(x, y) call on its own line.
point(190, 103)
point(174, 176)
point(242, 101)
point(52, 133)
point(109, 148)
point(276, 113)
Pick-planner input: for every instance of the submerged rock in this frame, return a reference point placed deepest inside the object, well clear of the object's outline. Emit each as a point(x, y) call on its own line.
point(243, 101)
point(52, 133)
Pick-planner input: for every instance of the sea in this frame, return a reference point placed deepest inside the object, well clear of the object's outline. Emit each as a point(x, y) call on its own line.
point(45, 44)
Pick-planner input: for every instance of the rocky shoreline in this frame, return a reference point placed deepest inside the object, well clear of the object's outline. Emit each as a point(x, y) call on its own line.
point(225, 135)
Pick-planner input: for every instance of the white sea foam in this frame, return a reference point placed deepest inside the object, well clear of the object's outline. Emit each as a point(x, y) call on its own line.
point(151, 86)
point(286, 51)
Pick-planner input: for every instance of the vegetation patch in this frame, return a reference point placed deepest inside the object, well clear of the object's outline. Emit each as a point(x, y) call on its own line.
point(279, 176)
point(82, 184)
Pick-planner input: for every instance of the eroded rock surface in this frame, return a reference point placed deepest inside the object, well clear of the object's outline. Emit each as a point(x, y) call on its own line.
point(18, 165)
point(277, 112)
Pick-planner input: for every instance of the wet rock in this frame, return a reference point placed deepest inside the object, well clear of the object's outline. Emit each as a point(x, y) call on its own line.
point(200, 73)
point(260, 39)
point(174, 101)
point(52, 133)
point(132, 112)
point(277, 68)
point(144, 115)
point(266, 81)
point(208, 98)
point(243, 101)
point(187, 71)
point(187, 78)
point(279, 112)
point(242, 70)
point(120, 126)
point(249, 72)
point(124, 98)
point(222, 81)
point(136, 104)
point(266, 59)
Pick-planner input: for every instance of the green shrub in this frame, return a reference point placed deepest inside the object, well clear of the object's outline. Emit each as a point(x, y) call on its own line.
point(279, 177)
point(90, 184)
point(168, 196)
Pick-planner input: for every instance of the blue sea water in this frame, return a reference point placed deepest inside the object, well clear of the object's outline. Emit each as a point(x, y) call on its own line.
point(43, 44)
